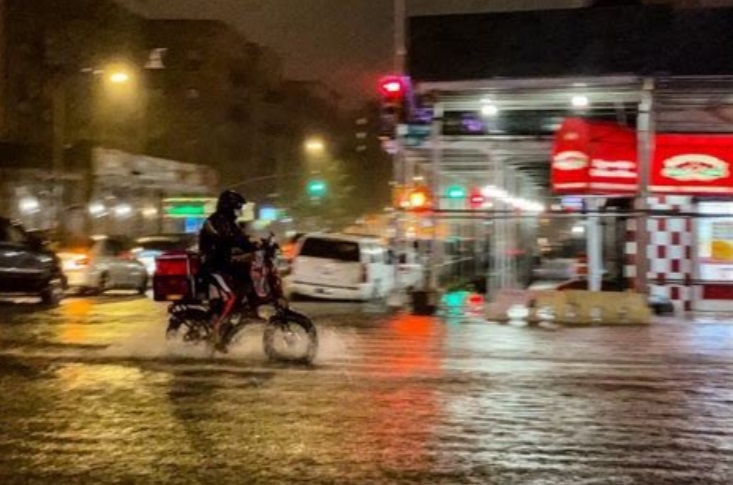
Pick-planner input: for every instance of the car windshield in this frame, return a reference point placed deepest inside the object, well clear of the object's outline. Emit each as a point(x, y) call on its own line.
point(331, 249)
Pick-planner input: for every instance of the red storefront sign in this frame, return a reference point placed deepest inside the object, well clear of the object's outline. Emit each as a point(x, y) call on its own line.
point(594, 157)
point(692, 164)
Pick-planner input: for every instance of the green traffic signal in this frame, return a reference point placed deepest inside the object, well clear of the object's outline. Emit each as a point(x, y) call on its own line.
point(456, 192)
point(317, 188)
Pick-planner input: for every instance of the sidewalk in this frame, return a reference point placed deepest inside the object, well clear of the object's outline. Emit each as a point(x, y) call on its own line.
point(695, 317)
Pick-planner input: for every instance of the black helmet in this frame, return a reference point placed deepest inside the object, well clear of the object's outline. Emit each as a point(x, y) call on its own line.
point(230, 202)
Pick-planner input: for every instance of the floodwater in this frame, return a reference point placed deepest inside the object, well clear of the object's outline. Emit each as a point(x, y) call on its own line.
point(92, 393)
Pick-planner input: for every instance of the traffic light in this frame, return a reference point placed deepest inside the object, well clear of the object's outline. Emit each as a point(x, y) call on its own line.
point(455, 192)
point(316, 188)
point(476, 199)
point(393, 92)
point(418, 199)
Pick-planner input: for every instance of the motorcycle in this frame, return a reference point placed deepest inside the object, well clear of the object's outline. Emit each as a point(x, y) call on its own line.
point(195, 303)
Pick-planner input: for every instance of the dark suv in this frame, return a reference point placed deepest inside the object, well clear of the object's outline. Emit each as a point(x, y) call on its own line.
point(27, 267)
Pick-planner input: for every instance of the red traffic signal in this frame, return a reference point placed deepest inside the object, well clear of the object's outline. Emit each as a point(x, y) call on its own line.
point(476, 199)
point(392, 86)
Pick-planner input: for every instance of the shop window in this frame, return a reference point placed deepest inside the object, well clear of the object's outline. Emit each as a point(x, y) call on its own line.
point(715, 241)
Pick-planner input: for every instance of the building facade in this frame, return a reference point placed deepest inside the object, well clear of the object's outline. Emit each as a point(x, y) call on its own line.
point(503, 102)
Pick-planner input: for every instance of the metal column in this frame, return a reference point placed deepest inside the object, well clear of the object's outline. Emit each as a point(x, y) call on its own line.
point(594, 245)
point(645, 135)
point(498, 231)
point(435, 163)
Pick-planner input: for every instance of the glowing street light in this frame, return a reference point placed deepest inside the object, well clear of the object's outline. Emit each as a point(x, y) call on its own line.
point(29, 205)
point(119, 77)
point(315, 146)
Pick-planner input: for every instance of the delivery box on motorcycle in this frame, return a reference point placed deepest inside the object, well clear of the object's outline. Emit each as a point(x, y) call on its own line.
point(175, 276)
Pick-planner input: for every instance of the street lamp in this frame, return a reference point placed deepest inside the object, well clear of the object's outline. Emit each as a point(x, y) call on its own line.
point(314, 146)
point(119, 77)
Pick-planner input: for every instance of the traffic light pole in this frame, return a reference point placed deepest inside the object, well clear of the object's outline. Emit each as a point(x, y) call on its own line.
point(398, 172)
point(400, 50)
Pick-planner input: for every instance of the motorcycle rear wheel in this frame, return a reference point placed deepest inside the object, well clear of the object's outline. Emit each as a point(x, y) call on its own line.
point(189, 325)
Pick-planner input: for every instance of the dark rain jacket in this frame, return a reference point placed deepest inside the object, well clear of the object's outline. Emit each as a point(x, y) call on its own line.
point(219, 239)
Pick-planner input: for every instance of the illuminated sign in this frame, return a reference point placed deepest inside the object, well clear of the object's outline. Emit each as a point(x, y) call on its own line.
point(269, 214)
point(692, 164)
point(185, 207)
point(701, 168)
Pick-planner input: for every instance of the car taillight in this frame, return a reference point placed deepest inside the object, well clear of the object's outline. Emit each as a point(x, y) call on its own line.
point(364, 273)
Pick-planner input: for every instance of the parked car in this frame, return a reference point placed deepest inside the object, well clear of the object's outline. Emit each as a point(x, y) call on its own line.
point(104, 263)
point(146, 249)
point(341, 267)
point(27, 267)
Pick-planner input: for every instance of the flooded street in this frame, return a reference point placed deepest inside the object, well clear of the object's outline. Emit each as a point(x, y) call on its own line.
point(92, 393)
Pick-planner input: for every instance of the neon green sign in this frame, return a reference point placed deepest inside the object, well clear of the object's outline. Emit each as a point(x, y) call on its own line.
point(182, 208)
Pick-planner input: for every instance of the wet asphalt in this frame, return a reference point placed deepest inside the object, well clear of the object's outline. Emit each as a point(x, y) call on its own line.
point(92, 393)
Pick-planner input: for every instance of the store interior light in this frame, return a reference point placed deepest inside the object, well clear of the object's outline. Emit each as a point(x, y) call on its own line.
point(489, 110)
point(495, 193)
point(580, 101)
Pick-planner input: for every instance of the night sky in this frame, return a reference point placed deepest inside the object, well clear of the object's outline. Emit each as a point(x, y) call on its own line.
point(346, 43)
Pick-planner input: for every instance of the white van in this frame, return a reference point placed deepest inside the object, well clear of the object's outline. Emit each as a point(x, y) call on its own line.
point(341, 267)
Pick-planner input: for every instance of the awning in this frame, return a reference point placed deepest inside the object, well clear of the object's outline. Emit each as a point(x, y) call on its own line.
point(594, 157)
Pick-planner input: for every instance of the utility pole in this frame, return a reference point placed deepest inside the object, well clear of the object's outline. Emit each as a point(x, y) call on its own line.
point(400, 54)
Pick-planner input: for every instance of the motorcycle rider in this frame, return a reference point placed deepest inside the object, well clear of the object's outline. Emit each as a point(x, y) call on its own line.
point(226, 252)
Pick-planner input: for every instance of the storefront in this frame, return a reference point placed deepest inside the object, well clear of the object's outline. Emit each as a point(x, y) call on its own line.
point(689, 256)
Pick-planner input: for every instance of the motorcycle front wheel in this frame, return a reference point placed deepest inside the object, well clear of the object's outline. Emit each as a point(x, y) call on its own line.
point(290, 337)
